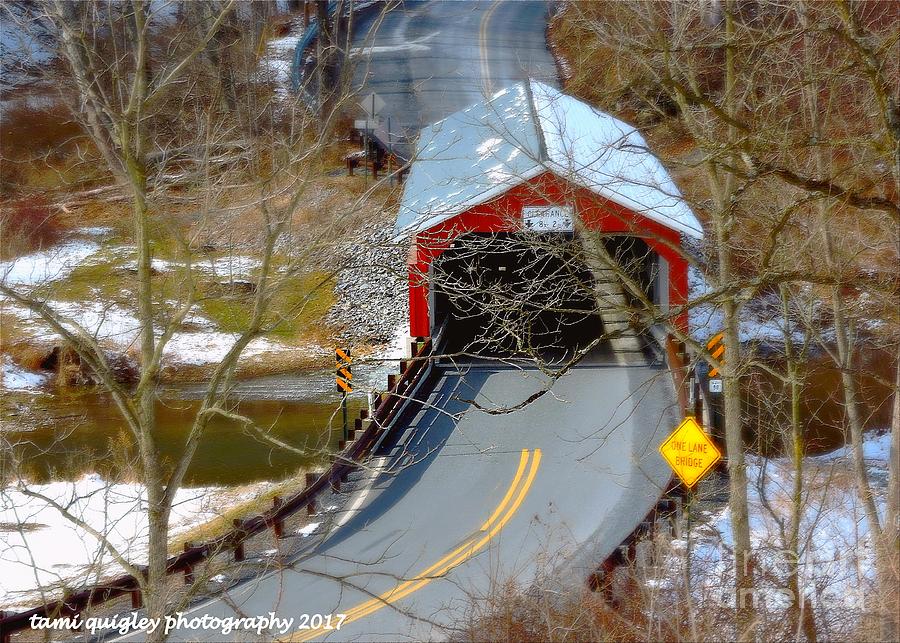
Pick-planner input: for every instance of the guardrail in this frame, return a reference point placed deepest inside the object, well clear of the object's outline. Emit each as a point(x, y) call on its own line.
point(389, 407)
point(669, 502)
point(312, 32)
point(309, 36)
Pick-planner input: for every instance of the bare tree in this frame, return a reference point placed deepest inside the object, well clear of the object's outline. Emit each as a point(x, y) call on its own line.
point(765, 97)
point(140, 88)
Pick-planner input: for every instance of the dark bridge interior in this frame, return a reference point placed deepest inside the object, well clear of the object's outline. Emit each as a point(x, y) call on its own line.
point(506, 295)
point(635, 257)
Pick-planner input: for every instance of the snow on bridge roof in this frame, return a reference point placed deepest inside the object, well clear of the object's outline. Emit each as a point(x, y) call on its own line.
point(522, 131)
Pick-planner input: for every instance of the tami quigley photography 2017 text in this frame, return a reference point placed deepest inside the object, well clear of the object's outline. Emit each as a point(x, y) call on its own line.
point(134, 622)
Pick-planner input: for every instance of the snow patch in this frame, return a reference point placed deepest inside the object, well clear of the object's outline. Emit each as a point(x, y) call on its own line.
point(277, 65)
point(113, 325)
point(44, 547)
point(16, 378)
point(837, 560)
point(706, 319)
point(396, 349)
point(207, 348)
point(309, 529)
point(95, 231)
point(876, 447)
point(46, 266)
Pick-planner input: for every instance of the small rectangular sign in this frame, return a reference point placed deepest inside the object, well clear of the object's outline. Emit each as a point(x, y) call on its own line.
point(548, 218)
point(715, 386)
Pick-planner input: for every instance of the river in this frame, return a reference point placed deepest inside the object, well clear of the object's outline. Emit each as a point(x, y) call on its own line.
point(67, 435)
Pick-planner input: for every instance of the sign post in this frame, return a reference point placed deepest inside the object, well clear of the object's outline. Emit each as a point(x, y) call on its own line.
point(371, 105)
point(344, 381)
point(691, 454)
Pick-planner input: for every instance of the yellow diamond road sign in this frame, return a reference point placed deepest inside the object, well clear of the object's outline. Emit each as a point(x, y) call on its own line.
point(690, 452)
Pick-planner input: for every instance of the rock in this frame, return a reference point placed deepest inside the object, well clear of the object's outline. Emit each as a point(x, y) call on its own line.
point(72, 371)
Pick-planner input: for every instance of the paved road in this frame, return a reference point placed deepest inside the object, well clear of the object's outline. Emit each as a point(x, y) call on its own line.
point(430, 59)
point(461, 502)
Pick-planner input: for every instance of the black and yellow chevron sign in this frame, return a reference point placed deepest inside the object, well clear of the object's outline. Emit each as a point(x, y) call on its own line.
point(344, 374)
point(717, 353)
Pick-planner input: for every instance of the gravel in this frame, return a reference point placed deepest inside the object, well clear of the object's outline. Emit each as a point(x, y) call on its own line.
point(371, 298)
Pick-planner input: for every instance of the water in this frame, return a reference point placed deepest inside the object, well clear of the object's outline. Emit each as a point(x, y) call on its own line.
point(822, 408)
point(80, 433)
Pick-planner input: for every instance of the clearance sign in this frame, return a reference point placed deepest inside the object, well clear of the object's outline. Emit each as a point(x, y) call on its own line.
point(690, 452)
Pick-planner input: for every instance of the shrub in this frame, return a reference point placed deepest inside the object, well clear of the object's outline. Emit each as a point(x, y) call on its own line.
point(26, 225)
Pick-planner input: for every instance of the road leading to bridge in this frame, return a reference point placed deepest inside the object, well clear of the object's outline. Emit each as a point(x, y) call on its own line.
point(465, 498)
point(430, 59)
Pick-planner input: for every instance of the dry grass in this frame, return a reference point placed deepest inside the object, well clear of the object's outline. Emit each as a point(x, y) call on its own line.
point(647, 602)
point(246, 509)
point(627, 610)
point(18, 342)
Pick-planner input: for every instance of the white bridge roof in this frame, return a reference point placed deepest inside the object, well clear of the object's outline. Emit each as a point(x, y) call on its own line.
point(522, 131)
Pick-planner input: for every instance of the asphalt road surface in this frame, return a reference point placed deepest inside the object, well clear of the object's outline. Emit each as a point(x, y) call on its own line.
point(466, 498)
point(427, 60)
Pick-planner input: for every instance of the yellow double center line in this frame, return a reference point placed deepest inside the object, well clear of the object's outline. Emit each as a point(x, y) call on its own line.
point(482, 45)
point(504, 512)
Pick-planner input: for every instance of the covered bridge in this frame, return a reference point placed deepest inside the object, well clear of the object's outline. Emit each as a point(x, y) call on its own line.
point(532, 159)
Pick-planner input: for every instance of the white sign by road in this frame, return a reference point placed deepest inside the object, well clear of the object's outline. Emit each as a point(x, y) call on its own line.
point(548, 218)
point(372, 104)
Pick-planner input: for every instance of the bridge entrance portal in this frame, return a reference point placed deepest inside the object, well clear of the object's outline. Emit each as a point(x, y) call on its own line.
point(514, 294)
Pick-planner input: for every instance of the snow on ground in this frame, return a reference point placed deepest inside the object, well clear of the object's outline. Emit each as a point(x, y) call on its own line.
point(276, 66)
point(113, 325)
point(38, 545)
point(876, 448)
point(211, 347)
point(396, 349)
point(16, 378)
point(47, 549)
point(837, 559)
point(96, 231)
point(309, 529)
point(229, 267)
point(46, 265)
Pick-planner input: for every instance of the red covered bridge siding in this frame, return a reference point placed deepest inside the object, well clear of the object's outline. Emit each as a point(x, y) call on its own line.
point(530, 145)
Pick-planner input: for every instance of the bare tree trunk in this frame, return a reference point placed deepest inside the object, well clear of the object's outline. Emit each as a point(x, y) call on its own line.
point(802, 616)
point(737, 468)
point(892, 515)
point(325, 58)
